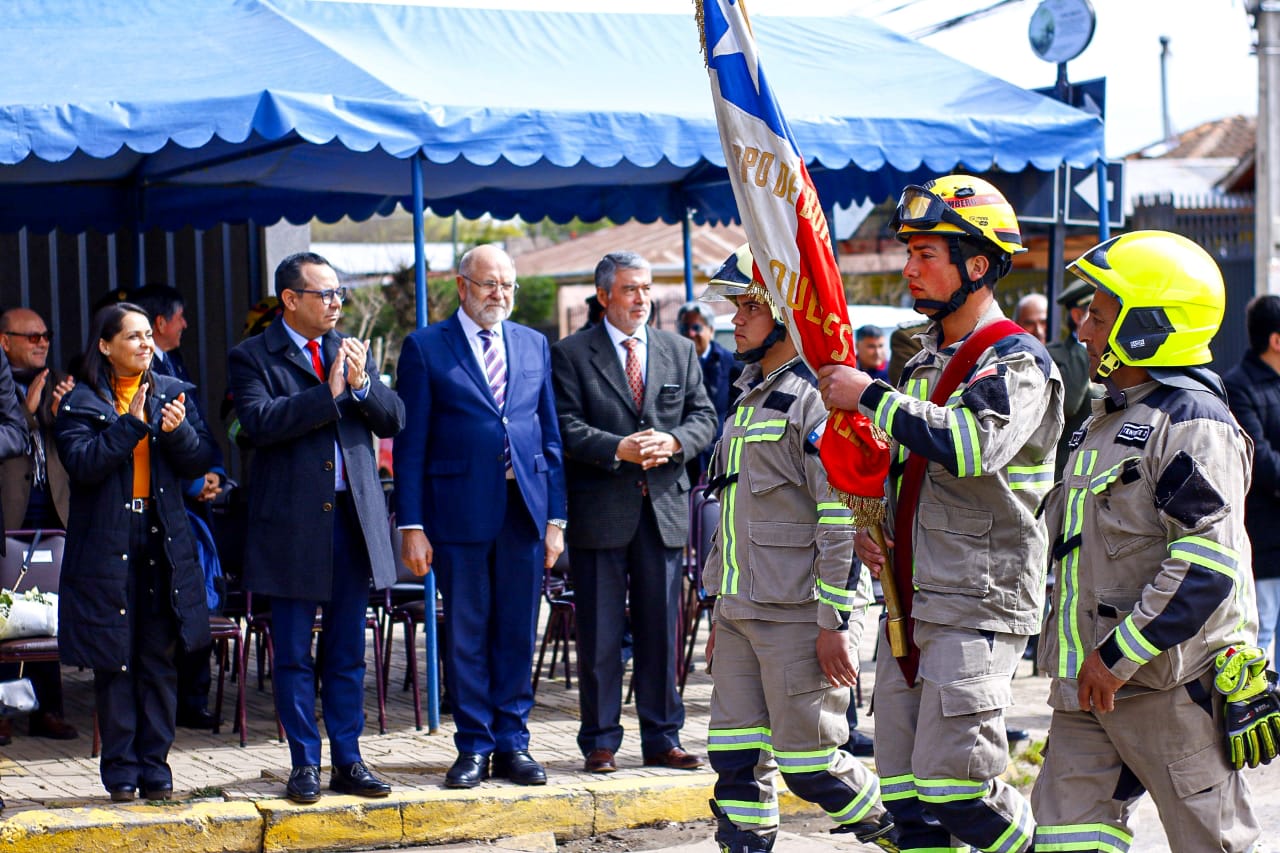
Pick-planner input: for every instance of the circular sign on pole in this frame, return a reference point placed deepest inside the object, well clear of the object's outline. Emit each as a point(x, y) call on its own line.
point(1060, 30)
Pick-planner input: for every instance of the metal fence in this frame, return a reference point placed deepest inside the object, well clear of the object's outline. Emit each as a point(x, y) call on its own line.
point(1224, 225)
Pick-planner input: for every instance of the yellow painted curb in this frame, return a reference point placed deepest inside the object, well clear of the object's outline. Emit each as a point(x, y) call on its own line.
point(484, 814)
point(215, 827)
point(622, 803)
point(336, 823)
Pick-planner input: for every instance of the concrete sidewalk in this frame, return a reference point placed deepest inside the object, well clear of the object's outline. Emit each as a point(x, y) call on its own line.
point(231, 799)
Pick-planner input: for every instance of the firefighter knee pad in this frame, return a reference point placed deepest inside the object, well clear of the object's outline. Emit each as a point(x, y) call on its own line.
point(813, 787)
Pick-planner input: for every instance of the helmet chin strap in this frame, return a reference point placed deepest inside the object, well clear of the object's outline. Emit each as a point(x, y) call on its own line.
point(754, 354)
point(967, 286)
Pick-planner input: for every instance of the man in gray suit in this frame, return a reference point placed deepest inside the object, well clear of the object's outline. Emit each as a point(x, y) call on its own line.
point(632, 411)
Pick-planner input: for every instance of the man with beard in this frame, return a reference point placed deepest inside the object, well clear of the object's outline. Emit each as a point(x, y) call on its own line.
point(480, 499)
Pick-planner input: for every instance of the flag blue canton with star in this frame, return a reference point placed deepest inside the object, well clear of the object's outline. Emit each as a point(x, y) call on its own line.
point(744, 87)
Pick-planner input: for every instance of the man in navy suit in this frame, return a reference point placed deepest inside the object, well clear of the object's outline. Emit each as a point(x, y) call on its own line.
point(310, 400)
point(632, 412)
point(720, 370)
point(480, 498)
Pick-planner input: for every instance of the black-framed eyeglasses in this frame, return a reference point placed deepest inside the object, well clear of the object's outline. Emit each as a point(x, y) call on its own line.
point(507, 287)
point(695, 328)
point(326, 296)
point(32, 338)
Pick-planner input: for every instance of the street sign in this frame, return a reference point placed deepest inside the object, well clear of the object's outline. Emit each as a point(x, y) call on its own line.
point(1083, 203)
point(1034, 195)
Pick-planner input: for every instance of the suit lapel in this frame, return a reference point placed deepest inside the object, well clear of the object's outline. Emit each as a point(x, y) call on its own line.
point(661, 367)
point(606, 361)
point(462, 351)
point(280, 342)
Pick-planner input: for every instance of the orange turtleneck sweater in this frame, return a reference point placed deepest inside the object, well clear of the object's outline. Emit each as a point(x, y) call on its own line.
point(126, 388)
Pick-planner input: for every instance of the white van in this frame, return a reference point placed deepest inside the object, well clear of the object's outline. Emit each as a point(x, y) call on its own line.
point(887, 317)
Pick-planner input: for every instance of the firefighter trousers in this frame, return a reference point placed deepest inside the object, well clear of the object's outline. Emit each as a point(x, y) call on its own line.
point(1169, 743)
point(941, 745)
point(773, 709)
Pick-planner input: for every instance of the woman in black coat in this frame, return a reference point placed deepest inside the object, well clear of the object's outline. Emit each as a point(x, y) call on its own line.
point(132, 587)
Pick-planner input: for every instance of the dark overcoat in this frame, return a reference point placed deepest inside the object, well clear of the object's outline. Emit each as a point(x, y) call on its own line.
point(96, 445)
point(596, 412)
point(1253, 392)
point(292, 420)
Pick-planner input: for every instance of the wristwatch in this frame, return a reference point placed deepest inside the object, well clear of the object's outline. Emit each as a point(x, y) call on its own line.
point(558, 522)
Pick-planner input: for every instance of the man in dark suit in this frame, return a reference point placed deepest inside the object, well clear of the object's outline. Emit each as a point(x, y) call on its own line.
point(167, 310)
point(720, 370)
point(311, 401)
point(632, 411)
point(480, 498)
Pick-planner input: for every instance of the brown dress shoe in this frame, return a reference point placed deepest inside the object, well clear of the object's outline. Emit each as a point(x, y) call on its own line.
point(675, 758)
point(600, 761)
point(49, 725)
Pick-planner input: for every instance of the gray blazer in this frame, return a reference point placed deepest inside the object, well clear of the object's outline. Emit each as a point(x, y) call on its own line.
point(596, 412)
point(292, 421)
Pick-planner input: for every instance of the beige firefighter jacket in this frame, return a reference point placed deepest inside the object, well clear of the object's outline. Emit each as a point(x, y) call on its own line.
point(784, 550)
point(1150, 556)
point(979, 549)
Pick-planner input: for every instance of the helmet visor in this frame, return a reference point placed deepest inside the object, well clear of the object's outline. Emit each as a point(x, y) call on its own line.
point(922, 210)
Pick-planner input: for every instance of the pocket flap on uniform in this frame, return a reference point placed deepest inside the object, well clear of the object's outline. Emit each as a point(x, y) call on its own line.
point(805, 676)
point(781, 534)
point(1199, 771)
point(954, 519)
point(975, 695)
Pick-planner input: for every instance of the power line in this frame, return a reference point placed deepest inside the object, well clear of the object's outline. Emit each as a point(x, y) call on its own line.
point(950, 23)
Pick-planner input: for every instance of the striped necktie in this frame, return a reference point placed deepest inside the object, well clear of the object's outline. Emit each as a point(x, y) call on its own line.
point(495, 369)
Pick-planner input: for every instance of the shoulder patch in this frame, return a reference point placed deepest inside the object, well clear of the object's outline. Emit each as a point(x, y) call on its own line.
point(813, 442)
point(987, 391)
point(1134, 435)
point(1016, 344)
point(779, 401)
point(1184, 493)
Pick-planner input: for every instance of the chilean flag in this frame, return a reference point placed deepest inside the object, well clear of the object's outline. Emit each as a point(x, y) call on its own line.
point(788, 232)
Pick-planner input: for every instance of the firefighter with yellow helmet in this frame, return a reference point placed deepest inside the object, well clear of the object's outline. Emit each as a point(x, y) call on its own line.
point(974, 424)
point(789, 598)
point(1149, 638)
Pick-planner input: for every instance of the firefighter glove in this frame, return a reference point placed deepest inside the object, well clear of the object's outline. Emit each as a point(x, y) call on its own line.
point(1252, 709)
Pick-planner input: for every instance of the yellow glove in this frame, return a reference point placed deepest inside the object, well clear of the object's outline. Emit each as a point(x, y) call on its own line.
point(1252, 710)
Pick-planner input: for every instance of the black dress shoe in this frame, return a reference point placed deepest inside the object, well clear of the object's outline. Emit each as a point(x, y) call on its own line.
point(122, 793)
point(859, 745)
point(519, 767)
point(304, 784)
point(161, 791)
point(356, 779)
point(196, 718)
point(469, 770)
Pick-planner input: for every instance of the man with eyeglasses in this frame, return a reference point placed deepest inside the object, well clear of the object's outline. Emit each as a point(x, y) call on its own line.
point(633, 411)
point(480, 501)
point(311, 400)
point(720, 370)
point(34, 487)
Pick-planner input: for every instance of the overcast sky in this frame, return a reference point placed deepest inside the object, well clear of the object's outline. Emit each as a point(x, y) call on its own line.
point(1212, 72)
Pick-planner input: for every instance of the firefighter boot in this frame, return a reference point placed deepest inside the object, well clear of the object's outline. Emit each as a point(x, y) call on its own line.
point(882, 834)
point(731, 839)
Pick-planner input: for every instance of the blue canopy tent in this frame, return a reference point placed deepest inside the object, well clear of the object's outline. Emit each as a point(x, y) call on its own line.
point(168, 113)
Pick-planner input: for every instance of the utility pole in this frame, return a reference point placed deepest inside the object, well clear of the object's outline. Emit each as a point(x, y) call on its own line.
point(1266, 20)
point(1164, 92)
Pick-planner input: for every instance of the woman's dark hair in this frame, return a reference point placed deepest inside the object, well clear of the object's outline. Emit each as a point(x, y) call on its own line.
point(107, 323)
point(1262, 317)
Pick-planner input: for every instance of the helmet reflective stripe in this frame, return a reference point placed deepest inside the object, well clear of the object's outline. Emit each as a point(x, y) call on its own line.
point(1171, 297)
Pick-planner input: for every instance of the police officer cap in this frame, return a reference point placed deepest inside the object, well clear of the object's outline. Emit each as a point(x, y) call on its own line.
point(1077, 295)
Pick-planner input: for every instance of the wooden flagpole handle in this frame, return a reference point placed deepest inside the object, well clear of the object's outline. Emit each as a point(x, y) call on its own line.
point(897, 624)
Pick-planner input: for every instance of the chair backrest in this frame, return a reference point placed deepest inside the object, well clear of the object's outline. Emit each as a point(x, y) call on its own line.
point(45, 565)
point(708, 523)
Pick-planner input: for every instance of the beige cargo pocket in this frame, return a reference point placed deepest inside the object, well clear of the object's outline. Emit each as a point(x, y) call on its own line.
point(1199, 771)
point(953, 549)
point(782, 555)
point(976, 695)
point(804, 676)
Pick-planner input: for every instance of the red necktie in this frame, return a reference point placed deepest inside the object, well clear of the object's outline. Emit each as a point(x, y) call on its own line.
point(316, 363)
point(635, 373)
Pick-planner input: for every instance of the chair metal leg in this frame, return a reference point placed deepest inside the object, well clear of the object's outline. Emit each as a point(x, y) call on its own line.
point(411, 657)
point(379, 676)
point(222, 647)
